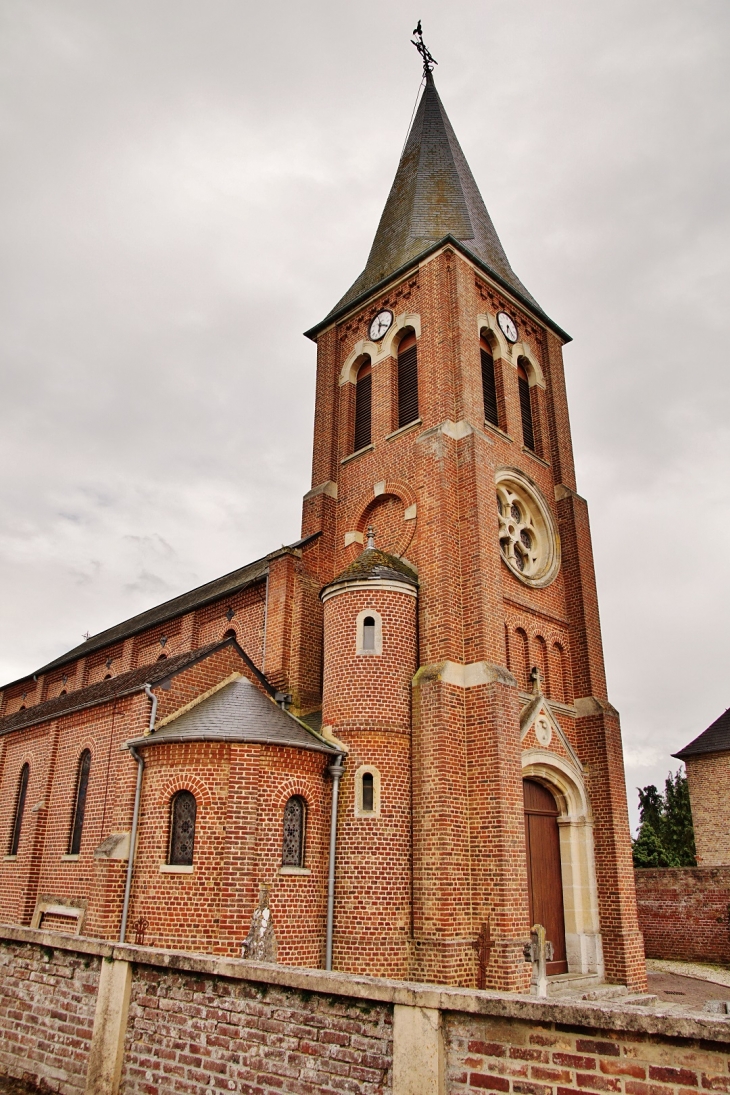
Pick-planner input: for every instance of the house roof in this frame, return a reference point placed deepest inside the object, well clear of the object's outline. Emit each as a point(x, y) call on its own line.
point(238, 712)
point(434, 198)
point(715, 739)
point(227, 585)
point(123, 685)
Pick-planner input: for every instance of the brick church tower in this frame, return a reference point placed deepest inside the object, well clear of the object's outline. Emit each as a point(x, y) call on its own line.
point(463, 667)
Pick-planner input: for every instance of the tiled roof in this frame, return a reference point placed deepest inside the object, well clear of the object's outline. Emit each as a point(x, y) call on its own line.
point(373, 564)
point(239, 712)
point(95, 694)
point(715, 739)
point(229, 584)
point(434, 197)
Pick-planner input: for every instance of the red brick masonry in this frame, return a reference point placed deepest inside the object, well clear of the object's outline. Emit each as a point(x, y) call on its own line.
point(199, 1023)
point(684, 912)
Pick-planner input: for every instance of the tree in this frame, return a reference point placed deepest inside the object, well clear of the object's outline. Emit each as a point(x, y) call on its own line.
point(666, 836)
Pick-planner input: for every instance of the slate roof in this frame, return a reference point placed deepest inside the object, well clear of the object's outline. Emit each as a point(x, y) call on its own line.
point(373, 564)
point(239, 712)
point(95, 694)
point(229, 584)
point(715, 739)
point(434, 197)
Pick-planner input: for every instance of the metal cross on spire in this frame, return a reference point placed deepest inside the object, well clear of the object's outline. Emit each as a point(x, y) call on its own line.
point(428, 60)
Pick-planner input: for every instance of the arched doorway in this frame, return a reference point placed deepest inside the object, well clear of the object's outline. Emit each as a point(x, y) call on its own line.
point(544, 875)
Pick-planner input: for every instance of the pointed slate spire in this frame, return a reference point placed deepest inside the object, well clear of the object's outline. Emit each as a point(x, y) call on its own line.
point(434, 195)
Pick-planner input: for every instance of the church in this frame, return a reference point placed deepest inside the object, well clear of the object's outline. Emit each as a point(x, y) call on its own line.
point(386, 748)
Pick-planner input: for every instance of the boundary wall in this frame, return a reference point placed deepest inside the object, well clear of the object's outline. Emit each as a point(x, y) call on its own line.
point(684, 912)
point(81, 1015)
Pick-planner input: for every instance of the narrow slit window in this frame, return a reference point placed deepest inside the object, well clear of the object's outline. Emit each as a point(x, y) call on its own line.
point(489, 383)
point(528, 435)
point(19, 808)
point(368, 793)
point(368, 633)
point(183, 813)
point(407, 381)
point(295, 816)
point(82, 783)
point(363, 407)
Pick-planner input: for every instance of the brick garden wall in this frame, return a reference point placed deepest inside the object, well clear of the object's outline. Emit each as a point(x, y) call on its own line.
point(684, 912)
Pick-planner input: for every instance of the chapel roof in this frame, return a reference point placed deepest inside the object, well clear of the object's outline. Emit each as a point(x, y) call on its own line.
point(372, 564)
point(238, 712)
point(434, 199)
point(227, 585)
point(715, 739)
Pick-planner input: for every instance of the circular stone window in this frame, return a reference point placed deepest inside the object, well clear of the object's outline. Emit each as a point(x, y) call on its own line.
point(528, 538)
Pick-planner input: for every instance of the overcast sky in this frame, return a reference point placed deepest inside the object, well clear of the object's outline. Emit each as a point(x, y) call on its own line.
point(186, 187)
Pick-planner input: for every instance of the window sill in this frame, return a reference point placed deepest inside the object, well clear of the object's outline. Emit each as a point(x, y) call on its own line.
point(404, 429)
point(529, 452)
point(295, 870)
point(69, 858)
point(173, 868)
point(500, 433)
point(9, 858)
point(354, 455)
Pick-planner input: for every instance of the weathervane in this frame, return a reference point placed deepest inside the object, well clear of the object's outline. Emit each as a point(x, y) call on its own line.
point(428, 60)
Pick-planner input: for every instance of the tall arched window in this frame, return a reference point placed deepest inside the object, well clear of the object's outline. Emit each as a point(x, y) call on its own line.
point(368, 633)
point(363, 406)
point(295, 821)
point(528, 434)
point(407, 381)
point(183, 811)
point(489, 383)
point(19, 807)
point(368, 792)
point(77, 822)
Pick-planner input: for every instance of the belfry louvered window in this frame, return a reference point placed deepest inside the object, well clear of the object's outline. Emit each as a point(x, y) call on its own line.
point(489, 383)
point(528, 434)
point(363, 407)
point(295, 820)
point(183, 812)
point(407, 381)
point(19, 808)
point(82, 783)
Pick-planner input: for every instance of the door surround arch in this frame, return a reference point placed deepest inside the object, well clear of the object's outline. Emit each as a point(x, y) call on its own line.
point(575, 824)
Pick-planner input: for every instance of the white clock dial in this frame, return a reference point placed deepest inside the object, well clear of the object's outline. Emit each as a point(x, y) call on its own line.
point(380, 325)
point(507, 326)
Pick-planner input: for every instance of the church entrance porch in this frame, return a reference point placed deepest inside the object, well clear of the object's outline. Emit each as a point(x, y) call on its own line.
point(544, 875)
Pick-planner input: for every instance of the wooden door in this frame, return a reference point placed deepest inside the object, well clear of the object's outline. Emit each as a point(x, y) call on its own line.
point(543, 869)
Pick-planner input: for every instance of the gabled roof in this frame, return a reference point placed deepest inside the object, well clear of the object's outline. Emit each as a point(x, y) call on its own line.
point(238, 712)
point(434, 198)
point(123, 685)
point(229, 584)
point(715, 739)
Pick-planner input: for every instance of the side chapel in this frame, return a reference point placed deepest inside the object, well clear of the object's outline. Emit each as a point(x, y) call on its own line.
point(389, 744)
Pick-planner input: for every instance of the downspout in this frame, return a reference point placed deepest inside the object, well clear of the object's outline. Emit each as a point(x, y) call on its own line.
point(335, 770)
point(135, 817)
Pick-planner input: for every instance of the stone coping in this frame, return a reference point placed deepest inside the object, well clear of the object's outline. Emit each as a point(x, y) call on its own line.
point(612, 1015)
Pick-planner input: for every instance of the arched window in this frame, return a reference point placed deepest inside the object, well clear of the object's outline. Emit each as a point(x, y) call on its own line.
point(183, 810)
point(19, 807)
point(489, 383)
point(368, 633)
point(528, 434)
point(407, 381)
point(295, 821)
point(368, 792)
point(82, 782)
point(363, 406)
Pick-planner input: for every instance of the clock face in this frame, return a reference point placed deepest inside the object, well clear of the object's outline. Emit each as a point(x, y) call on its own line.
point(507, 326)
point(380, 325)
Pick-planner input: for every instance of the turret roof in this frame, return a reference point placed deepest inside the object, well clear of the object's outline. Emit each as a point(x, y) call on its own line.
point(373, 565)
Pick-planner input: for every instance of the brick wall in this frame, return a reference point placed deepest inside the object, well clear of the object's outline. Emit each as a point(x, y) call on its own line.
point(708, 778)
point(197, 1024)
point(684, 912)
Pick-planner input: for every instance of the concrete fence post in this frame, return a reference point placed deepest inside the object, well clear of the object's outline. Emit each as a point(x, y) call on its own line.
point(110, 1023)
point(418, 1051)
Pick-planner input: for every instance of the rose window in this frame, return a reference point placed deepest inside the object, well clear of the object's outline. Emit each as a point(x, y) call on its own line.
point(527, 537)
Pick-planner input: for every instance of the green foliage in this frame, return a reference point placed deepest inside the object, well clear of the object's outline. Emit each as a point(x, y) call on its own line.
point(666, 837)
